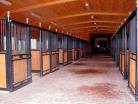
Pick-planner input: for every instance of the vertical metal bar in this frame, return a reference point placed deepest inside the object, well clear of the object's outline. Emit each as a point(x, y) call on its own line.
point(125, 54)
point(9, 55)
point(28, 50)
point(41, 50)
point(50, 39)
point(136, 89)
point(62, 49)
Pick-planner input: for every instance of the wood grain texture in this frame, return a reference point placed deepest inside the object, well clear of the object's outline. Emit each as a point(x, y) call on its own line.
point(60, 56)
point(67, 13)
point(132, 74)
point(2, 71)
point(46, 62)
point(19, 70)
point(35, 60)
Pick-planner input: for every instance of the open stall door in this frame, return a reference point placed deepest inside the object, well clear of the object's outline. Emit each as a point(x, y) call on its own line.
point(40, 51)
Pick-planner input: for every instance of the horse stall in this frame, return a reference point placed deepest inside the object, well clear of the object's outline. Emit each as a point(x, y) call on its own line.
point(74, 51)
point(54, 59)
point(40, 51)
point(127, 45)
point(69, 49)
point(78, 49)
point(122, 52)
point(133, 55)
point(81, 48)
point(60, 48)
point(15, 55)
point(65, 50)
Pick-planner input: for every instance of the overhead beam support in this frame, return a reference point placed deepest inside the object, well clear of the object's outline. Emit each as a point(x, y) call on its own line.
point(92, 21)
point(90, 13)
point(100, 26)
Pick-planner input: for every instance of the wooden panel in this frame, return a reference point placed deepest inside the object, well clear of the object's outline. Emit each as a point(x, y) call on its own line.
point(46, 12)
point(132, 74)
point(2, 71)
point(46, 62)
point(69, 56)
point(123, 60)
point(35, 60)
point(60, 56)
point(54, 60)
point(127, 61)
point(65, 57)
point(19, 70)
point(120, 62)
point(73, 54)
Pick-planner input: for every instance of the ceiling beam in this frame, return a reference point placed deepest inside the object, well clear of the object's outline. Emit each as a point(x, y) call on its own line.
point(95, 31)
point(92, 21)
point(90, 27)
point(96, 26)
point(90, 13)
point(41, 5)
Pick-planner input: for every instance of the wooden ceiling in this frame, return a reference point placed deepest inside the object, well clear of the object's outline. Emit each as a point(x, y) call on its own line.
point(72, 16)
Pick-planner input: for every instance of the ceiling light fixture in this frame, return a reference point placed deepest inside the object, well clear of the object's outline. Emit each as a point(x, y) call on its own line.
point(87, 6)
point(6, 2)
point(35, 15)
point(92, 17)
point(49, 27)
point(95, 23)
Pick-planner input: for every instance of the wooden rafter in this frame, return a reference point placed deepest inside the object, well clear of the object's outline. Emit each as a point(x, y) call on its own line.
point(36, 6)
point(96, 26)
point(101, 31)
point(97, 21)
point(89, 13)
point(90, 27)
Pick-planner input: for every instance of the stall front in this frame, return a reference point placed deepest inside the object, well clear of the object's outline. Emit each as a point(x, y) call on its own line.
point(15, 55)
point(54, 58)
point(60, 48)
point(65, 50)
point(126, 40)
point(40, 51)
point(69, 49)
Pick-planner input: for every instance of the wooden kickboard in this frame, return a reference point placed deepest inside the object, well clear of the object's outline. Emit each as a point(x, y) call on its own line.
point(2, 71)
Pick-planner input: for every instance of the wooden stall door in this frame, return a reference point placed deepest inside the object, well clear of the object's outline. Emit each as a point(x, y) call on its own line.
point(127, 61)
point(120, 65)
point(46, 62)
point(60, 56)
point(132, 72)
point(35, 60)
point(65, 57)
point(2, 71)
point(73, 54)
point(20, 70)
point(54, 60)
point(123, 60)
point(69, 56)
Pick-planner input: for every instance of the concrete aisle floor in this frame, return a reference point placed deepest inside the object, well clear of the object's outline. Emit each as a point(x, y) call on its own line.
point(93, 80)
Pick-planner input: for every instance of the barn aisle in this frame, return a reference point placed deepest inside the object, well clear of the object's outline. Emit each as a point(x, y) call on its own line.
point(93, 80)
